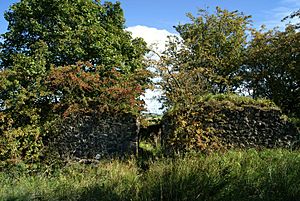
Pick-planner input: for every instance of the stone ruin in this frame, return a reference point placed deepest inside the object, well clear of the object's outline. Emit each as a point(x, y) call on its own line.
point(96, 135)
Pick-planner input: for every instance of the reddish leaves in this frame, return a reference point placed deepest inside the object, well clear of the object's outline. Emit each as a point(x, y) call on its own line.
point(86, 87)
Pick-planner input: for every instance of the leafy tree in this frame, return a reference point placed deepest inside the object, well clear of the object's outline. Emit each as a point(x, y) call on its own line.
point(23, 107)
point(42, 78)
point(207, 55)
point(272, 69)
point(72, 31)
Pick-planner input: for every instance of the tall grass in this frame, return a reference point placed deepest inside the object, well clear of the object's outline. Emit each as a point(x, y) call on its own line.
point(236, 175)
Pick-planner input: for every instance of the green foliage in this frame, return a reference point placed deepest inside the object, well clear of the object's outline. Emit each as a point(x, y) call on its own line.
point(270, 175)
point(213, 55)
point(62, 57)
point(272, 68)
point(207, 57)
point(23, 106)
point(149, 149)
point(22, 144)
point(72, 31)
point(196, 127)
point(240, 101)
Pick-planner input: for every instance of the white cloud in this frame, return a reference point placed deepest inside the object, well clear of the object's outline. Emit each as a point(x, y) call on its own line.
point(156, 39)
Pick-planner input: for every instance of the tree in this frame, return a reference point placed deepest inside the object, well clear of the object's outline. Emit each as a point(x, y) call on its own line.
point(272, 69)
point(72, 31)
point(60, 57)
point(207, 55)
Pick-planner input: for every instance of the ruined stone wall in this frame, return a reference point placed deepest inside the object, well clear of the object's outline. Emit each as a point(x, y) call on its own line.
point(254, 127)
point(241, 127)
point(221, 125)
point(95, 135)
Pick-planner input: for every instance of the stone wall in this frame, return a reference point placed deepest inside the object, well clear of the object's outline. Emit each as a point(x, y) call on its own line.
point(253, 127)
point(95, 135)
point(240, 127)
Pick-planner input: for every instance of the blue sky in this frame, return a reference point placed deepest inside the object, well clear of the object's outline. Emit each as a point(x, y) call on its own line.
point(164, 14)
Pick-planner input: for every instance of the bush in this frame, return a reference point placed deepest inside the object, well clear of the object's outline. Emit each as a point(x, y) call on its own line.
point(22, 144)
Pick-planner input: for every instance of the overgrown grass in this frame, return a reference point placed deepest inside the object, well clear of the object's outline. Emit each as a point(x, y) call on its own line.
point(236, 175)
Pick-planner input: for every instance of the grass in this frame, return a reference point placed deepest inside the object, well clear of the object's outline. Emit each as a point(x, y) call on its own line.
point(236, 175)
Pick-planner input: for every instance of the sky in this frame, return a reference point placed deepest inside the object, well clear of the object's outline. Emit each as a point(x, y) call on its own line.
point(154, 20)
point(164, 14)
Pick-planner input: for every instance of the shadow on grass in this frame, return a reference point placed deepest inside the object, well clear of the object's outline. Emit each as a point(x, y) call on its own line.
point(94, 193)
point(97, 193)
